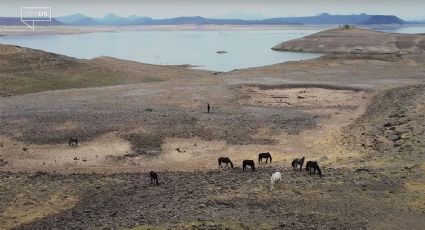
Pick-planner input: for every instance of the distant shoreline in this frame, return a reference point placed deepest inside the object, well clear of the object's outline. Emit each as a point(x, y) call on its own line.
point(49, 30)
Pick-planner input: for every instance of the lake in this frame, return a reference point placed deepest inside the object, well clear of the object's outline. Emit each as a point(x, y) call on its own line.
point(245, 48)
point(407, 30)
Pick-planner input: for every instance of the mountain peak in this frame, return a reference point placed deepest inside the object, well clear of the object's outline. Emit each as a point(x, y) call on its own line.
point(384, 20)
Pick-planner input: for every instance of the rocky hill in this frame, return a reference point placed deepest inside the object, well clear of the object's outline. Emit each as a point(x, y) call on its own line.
point(353, 40)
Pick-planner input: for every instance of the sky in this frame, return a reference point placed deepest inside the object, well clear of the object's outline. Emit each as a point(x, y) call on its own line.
point(245, 9)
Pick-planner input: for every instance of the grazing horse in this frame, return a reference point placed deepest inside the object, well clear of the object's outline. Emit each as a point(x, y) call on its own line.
point(277, 176)
point(297, 162)
point(225, 160)
point(73, 141)
point(249, 163)
point(312, 166)
point(264, 155)
point(154, 177)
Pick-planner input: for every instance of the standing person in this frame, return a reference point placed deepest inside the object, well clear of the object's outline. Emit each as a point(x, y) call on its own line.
point(208, 107)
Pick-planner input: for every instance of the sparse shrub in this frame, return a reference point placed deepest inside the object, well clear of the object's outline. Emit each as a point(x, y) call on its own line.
point(346, 26)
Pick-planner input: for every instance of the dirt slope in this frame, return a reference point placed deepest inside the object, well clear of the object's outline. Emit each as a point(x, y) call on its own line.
point(24, 70)
point(355, 40)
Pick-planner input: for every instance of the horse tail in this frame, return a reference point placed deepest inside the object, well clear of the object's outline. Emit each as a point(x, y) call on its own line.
point(259, 158)
point(319, 171)
point(270, 159)
point(231, 164)
point(219, 163)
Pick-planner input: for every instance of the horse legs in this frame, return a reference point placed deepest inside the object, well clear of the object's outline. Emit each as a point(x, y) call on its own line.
point(157, 183)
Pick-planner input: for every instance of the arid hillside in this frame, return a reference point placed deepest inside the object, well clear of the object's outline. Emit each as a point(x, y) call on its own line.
point(353, 40)
point(24, 70)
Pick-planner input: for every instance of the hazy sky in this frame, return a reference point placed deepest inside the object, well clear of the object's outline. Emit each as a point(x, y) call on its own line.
point(406, 9)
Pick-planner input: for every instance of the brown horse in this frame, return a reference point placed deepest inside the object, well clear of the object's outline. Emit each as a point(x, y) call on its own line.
point(224, 160)
point(73, 141)
point(249, 163)
point(297, 162)
point(264, 155)
point(312, 166)
point(154, 177)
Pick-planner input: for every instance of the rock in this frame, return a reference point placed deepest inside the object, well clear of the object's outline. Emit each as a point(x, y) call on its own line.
point(393, 137)
point(323, 158)
point(363, 170)
point(3, 162)
point(386, 125)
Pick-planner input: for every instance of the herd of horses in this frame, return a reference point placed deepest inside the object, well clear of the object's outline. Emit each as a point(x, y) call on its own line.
point(224, 162)
point(311, 166)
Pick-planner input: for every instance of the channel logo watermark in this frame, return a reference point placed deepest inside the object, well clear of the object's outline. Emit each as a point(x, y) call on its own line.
point(30, 15)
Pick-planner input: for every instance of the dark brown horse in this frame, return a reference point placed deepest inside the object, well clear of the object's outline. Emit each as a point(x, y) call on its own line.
point(266, 155)
point(249, 163)
point(297, 162)
point(312, 166)
point(154, 177)
point(224, 160)
point(73, 141)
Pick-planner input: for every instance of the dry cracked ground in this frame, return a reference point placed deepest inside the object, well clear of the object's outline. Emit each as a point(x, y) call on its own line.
point(361, 116)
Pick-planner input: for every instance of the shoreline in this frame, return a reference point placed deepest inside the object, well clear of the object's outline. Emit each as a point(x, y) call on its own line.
point(61, 30)
point(51, 30)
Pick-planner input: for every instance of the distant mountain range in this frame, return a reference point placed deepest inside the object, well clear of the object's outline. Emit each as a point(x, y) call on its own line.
point(322, 19)
point(16, 21)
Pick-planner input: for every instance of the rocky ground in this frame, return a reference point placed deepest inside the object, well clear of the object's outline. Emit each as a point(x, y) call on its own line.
point(354, 40)
point(387, 181)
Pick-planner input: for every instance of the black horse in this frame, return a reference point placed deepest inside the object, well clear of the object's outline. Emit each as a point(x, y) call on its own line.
point(264, 155)
point(224, 160)
point(249, 163)
point(154, 177)
point(312, 166)
point(297, 162)
point(73, 141)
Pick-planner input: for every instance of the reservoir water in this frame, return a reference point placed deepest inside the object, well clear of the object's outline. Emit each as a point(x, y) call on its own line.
point(245, 48)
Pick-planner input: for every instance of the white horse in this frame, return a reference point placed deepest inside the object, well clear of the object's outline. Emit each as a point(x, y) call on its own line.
point(277, 176)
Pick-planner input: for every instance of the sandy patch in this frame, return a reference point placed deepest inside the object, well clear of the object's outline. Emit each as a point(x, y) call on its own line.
point(24, 157)
point(303, 97)
point(27, 208)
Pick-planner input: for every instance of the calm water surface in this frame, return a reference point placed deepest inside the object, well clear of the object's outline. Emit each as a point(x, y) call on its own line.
point(407, 30)
point(244, 48)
